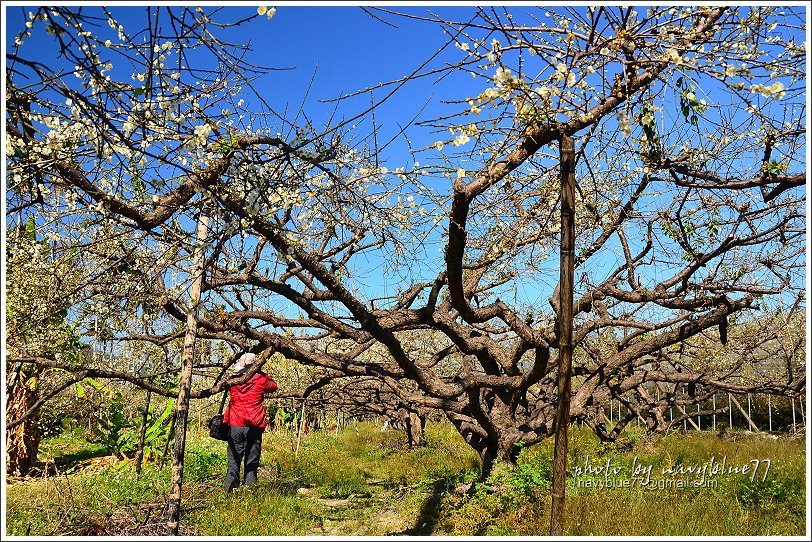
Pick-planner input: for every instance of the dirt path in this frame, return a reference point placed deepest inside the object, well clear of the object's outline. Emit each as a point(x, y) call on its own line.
point(372, 514)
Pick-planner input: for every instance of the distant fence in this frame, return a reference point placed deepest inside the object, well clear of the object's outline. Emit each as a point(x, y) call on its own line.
point(752, 412)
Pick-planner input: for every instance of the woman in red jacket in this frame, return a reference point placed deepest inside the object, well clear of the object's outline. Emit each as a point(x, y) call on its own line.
point(245, 414)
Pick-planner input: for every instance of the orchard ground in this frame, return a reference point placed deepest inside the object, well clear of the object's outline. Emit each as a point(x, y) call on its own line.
point(365, 481)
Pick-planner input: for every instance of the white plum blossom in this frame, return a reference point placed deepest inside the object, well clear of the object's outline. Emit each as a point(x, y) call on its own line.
point(776, 90)
point(265, 10)
point(461, 139)
point(202, 133)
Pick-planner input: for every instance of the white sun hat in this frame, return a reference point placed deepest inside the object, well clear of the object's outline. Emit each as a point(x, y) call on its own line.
point(244, 361)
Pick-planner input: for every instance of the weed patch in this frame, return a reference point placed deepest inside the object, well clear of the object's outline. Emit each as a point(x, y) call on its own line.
point(364, 481)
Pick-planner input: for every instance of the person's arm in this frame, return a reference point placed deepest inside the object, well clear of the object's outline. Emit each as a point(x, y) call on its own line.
point(268, 385)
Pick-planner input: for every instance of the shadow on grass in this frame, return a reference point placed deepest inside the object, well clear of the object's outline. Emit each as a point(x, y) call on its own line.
point(430, 509)
point(66, 462)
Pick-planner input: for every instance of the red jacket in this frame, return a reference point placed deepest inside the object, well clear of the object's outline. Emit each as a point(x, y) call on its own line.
point(246, 407)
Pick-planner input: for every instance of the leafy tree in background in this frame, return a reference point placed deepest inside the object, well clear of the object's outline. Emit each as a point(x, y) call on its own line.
point(689, 124)
point(37, 297)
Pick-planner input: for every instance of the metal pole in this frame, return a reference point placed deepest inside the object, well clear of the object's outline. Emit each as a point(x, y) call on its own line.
point(749, 427)
point(714, 412)
point(698, 418)
point(566, 286)
point(685, 421)
point(793, 413)
point(730, 410)
point(770, 412)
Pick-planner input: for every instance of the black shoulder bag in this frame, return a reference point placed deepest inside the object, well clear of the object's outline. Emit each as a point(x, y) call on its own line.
point(217, 427)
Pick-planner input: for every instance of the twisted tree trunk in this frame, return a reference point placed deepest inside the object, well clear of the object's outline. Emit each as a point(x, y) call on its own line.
point(22, 441)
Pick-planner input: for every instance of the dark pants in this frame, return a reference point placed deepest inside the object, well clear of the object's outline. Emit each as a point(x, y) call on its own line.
point(243, 442)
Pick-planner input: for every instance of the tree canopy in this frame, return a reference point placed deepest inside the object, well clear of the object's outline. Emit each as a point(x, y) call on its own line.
point(433, 274)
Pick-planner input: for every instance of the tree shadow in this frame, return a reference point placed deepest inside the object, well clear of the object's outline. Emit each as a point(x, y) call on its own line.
point(429, 511)
point(67, 462)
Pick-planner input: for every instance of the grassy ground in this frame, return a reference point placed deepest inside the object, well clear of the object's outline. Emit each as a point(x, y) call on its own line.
point(366, 482)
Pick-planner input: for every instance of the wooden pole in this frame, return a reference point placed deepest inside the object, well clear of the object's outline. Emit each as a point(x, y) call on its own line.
point(185, 384)
point(686, 420)
point(168, 440)
point(139, 455)
point(301, 424)
point(751, 425)
point(566, 286)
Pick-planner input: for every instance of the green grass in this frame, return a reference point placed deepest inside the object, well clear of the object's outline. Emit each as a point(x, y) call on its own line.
point(263, 510)
point(59, 504)
point(366, 482)
point(516, 501)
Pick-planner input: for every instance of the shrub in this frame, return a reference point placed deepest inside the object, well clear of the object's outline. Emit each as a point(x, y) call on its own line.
point(777, 488)
point(201, 464)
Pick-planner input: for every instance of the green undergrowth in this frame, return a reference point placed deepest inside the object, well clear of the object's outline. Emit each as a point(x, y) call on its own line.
point(84, 499)
point(364, 481)
point(363, 469)
point(676, 484)
point(343, 465)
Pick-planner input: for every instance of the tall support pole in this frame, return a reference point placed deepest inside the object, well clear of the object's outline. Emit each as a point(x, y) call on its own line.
point(685, 421)
point(566, 284)
point(714, 412)
point(749, 415)
point(142, 434)
point(770, 412)
point(185, 385)
point(730, 411)
point(139, 454)
point(301, 426)
point(793, 413)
